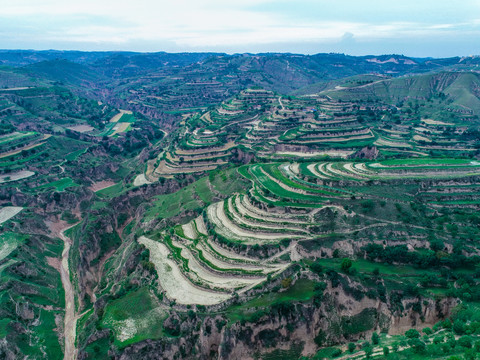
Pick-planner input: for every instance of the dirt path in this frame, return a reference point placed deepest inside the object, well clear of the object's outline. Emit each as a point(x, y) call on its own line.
point(17, 88)
point(70, 325)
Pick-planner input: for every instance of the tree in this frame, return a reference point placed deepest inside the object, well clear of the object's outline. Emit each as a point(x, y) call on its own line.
point(375, 339)
point(346, 265)
point(351, 347)
point(427, 331)
point(459, 327)
point(386, 351)
point(316, 267)
point(417, 345)
point(470, 354)
point(465, 341)
point(412, 334)
point(368, 351)
point(438, 339)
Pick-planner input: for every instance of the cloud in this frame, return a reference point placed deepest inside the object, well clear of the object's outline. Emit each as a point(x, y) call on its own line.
point(233, 25)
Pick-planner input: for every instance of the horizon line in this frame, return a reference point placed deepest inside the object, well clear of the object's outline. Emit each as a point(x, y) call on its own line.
point(236, 53)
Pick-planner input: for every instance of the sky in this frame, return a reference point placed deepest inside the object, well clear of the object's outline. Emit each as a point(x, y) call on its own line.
point(417, 28)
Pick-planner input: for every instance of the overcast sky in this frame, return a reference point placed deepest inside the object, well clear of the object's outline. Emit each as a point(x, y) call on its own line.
point(438, 28)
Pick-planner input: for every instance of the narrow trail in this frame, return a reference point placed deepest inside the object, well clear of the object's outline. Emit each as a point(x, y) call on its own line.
point(70, 326)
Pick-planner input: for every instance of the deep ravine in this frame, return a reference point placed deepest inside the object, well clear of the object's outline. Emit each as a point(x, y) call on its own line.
point(70, 324)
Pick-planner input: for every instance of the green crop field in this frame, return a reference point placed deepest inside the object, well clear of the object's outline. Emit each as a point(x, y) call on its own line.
point(61, 185)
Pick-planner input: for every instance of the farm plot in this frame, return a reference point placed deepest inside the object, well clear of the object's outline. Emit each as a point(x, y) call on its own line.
point(292, 186)
point(200, 262)
point(331, 153)
point(141, 180)
point(81, 128)
point(119, 128)
point(194, 269)
point(15, 137)
point(393, 169)
point(26, 146)
point(60, 185)
point(175, 284)
point(120, 115)
point(19, 175)
point(188, 161)
point(9, 242)
point(8, 212)
point(229, 229)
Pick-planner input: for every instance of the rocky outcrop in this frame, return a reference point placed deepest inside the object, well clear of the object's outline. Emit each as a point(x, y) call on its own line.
point(369, 153)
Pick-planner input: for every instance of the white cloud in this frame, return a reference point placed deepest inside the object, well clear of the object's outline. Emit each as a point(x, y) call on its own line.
point(207, 23)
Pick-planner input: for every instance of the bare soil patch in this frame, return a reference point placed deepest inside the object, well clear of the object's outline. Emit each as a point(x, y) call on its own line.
point(101, 185)
point(7, 212)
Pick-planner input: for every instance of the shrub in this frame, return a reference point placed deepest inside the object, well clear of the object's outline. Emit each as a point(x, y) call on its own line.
point(346, 265)
point(417, 345)
point(368, 351)
point(465, 341)
point(386, 351)
point(427, 331)
point(438, 339)
point(336, 352)
point(316, 268)
point(458, 327)
point(412, 334)
point(269, 337)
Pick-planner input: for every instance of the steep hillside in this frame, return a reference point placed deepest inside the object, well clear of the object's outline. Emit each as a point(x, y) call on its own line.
point(459, 90)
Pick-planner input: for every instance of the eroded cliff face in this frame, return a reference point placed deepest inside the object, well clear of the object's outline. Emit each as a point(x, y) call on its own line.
point(305, 326)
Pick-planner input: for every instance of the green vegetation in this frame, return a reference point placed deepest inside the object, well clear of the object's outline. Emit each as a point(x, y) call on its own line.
point(110, 191)
point(60, 185)
point(302, 290)
point(134, 317)
point(274, 219)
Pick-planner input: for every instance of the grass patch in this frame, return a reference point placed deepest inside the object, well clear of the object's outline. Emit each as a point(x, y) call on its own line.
point(127, 118)
point(111, 191)
point(9, 241)
point(60, 185)
point(75, 155)
point(134, 317)
point(302, 290)
point(3, 327)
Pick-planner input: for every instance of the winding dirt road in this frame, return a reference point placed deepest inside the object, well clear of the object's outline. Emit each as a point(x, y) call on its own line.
point(70, 325)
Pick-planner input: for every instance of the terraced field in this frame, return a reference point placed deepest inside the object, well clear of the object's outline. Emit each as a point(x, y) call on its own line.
point(274, 127)
point(261, 121)
point(194, 269)
point(200, 262)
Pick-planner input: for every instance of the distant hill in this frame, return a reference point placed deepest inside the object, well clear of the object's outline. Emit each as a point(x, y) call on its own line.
point(130, 64)
point(461, 90)
point(170, 81)
point(65, 72)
